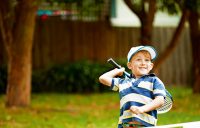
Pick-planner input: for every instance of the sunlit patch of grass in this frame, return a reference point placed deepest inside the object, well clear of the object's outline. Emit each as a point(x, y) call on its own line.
point(90, 110)
point(63, 110)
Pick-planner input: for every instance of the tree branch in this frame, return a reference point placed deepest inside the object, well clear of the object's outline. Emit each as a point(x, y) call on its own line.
point(132, 7)
point(174, 42)
point(152, 10)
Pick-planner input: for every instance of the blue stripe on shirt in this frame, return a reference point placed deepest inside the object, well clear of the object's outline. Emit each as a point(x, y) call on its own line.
point(144, 92)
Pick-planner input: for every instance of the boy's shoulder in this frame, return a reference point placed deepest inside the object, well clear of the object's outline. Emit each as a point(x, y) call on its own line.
point(152, 77)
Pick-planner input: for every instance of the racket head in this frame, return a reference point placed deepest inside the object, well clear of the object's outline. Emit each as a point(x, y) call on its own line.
point(167, 104)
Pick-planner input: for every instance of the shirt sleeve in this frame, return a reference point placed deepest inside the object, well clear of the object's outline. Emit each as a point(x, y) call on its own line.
point(115, 84)
point(158, 88)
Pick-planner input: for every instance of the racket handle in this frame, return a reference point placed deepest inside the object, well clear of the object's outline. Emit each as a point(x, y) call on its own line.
point(116, 65)
point(127, 74)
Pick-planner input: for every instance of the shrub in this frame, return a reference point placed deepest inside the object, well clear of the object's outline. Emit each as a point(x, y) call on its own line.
point(81, 76)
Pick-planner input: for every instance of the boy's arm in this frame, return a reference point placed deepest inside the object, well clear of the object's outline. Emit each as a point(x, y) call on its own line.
point(106, 78)
point(156, 103)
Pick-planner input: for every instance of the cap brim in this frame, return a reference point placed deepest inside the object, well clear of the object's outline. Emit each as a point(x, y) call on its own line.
point(151, 50)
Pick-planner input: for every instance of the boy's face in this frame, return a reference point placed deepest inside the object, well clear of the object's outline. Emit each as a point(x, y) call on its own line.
point(140, 64)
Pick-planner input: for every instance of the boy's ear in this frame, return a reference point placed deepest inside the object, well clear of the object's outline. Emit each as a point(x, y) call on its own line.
point(129, 65)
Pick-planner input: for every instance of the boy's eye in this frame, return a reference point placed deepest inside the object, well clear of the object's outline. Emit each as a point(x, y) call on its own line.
point(147, 60)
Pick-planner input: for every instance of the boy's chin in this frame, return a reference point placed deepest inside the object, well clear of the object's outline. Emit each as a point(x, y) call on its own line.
point(143, 73)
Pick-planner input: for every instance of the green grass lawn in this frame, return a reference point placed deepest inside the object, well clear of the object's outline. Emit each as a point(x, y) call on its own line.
point(89, 110)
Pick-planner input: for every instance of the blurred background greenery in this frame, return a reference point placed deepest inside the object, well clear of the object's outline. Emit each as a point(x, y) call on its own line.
point(52, 53)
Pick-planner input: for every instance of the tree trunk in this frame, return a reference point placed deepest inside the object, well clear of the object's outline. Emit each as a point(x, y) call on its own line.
point(195, 39)
point(146, 16)
point(146, 32)
point(18, 40)
point(147, 19)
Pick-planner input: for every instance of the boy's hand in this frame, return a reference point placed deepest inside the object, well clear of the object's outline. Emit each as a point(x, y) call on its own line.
point(120, 71)
point(107, 77)
point(136, 110)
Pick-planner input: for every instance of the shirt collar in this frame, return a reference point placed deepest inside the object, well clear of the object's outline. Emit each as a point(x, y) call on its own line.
point(150, 74)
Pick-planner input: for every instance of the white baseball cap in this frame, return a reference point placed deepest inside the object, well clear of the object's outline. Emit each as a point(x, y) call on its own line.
point(134, 50)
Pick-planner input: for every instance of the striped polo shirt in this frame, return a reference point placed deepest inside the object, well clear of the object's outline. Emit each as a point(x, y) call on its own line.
point(138, 92)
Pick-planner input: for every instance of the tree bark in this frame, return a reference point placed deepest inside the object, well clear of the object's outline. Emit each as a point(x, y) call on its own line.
point(147, 19)
point(146, 16)
point(195, 40)
point(17, 28)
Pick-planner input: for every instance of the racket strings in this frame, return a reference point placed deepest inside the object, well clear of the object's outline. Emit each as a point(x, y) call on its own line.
point(166, 106)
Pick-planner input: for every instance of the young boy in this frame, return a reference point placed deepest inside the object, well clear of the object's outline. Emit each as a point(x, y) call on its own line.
point(140, 95)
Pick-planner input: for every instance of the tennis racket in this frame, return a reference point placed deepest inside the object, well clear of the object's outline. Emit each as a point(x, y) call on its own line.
point(168, 99)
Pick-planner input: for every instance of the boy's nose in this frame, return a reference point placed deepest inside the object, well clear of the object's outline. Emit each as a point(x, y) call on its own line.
point(143, 61)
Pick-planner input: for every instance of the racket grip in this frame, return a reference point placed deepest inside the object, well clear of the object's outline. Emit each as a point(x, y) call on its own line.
point(112, 62)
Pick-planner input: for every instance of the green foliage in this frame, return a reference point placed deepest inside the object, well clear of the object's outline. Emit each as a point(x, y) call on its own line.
point(193, 5)
point(85, 8)
point(170, 6)
point(173, 6)
point(81, 76)
point(138, 4)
